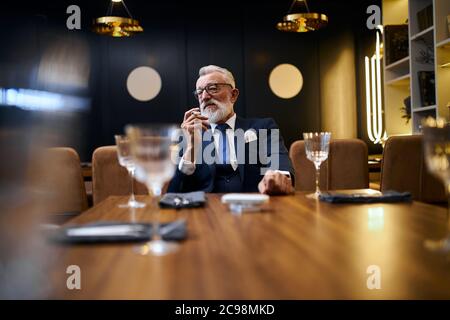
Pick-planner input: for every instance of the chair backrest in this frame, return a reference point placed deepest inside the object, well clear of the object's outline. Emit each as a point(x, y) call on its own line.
point(346, 167)
point(109, 177)
point(61, 179)
point(403, 169)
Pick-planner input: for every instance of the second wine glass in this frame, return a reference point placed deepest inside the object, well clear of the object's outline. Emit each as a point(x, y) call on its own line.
point(317, 145)
point(126, 160)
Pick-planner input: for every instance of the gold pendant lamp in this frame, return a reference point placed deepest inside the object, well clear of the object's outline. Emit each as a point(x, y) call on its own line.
point(115, 26)
point(299, 19)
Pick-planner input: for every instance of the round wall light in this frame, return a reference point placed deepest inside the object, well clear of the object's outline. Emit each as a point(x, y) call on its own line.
point(144, 83)
point(286, 81)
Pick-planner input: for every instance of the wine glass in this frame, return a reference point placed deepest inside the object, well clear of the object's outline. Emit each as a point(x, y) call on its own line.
point(154, 149)
point(436, 138)
point(317, 145)
point(126, 160)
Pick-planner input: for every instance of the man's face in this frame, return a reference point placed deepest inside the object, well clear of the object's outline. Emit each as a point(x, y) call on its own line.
point(216, 106)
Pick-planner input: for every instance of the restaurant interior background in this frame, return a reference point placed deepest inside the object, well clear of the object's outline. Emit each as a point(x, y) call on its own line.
point(81, 77)
point(70, 88)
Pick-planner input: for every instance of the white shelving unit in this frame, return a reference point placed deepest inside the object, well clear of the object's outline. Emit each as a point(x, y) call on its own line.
point(421, 43)
point(397, 77)
point(429, 51)
point(399, 81)
point(443, 43)
point(442, 51)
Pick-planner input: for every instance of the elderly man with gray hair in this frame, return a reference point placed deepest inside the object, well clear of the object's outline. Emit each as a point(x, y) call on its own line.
point(256, 160)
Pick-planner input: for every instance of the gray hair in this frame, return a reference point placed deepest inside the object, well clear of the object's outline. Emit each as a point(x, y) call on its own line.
point(212, 68)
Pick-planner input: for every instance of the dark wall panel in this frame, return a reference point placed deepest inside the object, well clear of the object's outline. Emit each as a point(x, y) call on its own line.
point(162, 49)
point(265, 48)
point(220, 44)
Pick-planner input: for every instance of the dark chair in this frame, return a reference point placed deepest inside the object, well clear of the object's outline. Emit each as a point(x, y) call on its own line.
point(56, 173)
point(403, 169)
point(346, 167)
point(109, 177)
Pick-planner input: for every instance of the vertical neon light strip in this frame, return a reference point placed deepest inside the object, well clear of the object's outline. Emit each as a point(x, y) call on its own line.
point(379, 104)
point(374, 104)
point(374, 100)
point(368, 111)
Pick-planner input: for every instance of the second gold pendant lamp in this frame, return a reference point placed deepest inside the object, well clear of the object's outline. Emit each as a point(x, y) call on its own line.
point(300, 19)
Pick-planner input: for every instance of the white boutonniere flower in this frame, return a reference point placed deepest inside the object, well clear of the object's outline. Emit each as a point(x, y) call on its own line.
point(250, 135)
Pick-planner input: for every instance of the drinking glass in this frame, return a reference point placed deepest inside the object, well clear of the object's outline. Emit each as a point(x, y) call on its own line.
point(436, 137)
point(317, 145)
point(154, 149)
point(126, 160)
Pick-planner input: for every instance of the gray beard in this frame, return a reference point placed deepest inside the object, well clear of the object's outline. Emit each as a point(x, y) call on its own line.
point(215, 116)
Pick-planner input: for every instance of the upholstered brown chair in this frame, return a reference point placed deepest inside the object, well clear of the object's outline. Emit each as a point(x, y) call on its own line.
point(65, 181)
point(56, 173)
point(109, 178)
point(403, 169)
point(346, 167)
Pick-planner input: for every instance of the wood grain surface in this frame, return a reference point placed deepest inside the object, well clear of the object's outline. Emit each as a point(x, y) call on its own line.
point(297, 248)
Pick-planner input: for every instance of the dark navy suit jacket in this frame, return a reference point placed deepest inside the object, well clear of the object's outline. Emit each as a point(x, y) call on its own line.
point(250, 174)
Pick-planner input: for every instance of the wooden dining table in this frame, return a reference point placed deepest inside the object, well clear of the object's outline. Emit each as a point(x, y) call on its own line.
point(295, 248)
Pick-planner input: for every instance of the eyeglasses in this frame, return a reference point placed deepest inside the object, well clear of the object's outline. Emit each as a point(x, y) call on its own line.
point(212, 89)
